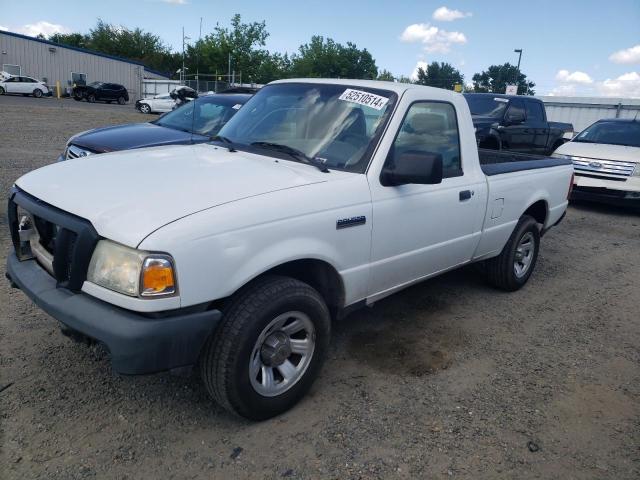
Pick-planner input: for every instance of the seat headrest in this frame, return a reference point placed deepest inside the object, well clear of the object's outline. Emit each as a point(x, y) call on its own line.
point(427, 123)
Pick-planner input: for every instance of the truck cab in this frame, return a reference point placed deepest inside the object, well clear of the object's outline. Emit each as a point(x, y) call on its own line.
point(515, 123)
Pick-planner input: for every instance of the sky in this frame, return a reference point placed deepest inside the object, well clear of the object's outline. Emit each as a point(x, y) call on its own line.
point(583, 48)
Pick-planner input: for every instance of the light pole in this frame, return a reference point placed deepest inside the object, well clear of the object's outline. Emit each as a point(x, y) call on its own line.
point(183, 69)
point(519, 52)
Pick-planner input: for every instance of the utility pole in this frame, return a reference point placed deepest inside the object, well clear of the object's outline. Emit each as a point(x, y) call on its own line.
point(229, 70)
point(198, 59)
point(182, 71)
point(519, 52)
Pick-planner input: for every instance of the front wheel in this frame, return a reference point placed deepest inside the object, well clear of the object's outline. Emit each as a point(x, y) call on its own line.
point(37, 93)
point(512, 268)
point(91, 98)
point(144, 108)
point(2, 91)
point(269, 348)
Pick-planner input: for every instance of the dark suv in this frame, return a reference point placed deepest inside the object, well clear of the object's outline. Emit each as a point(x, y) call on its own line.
point(108, 92)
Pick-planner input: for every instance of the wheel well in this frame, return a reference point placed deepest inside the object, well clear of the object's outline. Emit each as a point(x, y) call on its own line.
point(320, 275)
point(538, 211)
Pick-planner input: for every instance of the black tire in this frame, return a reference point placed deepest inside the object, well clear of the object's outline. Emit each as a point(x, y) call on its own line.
point(37, 93)
point(108, 102)
point(91, 98)
point(2, 91)
point(501, 270)
point(224, 361)
point(121, 101)
point(144, 108)
point(77, 98)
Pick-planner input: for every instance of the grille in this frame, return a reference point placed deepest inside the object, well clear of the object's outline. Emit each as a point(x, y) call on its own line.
point(60, 241)
point(73, 151)
point(607, 169)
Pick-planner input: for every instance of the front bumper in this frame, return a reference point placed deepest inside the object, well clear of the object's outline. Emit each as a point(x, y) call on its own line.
point(609, 196)
point(137, 343)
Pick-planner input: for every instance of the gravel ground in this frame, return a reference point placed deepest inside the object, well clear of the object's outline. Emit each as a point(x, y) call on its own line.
point(448, 379)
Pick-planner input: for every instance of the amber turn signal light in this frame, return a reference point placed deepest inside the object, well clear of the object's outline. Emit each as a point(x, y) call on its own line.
point(157, 277)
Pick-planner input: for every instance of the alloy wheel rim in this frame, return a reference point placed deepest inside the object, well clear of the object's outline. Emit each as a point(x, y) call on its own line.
point(524, 255)
point(282, 353)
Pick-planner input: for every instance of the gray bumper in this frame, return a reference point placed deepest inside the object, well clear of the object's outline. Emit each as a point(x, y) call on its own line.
point(138, 344)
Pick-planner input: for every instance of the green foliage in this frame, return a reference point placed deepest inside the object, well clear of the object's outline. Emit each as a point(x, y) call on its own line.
point(328, 59)
point(243, 42)
point(496, 78)
point(439, 75)
point(386, 75)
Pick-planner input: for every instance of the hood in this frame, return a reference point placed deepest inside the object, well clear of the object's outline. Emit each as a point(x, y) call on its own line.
point(128, 195)
point(133, 135)
point(600, 151)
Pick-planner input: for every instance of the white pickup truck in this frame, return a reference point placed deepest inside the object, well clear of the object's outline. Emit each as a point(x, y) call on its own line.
point(317, 197)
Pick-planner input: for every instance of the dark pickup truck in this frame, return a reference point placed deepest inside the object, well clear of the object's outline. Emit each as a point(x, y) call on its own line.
point(515, 123)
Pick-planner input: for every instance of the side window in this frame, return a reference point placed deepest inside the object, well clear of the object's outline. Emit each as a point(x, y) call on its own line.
point(534, 112)
point(431, 127)
point(516, 111)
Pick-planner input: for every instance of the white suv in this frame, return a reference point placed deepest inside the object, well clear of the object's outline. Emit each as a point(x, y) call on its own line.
point(23, 85)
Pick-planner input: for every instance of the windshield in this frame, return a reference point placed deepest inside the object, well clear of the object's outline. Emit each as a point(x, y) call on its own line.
point(487, 106)
point(612, 133)
point(211, 113)
point(334, 125)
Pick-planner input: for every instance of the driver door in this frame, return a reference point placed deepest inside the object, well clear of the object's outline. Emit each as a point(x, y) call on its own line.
point(419, 230)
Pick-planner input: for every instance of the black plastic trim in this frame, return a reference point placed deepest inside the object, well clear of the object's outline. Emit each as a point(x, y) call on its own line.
point(138, 344)
point(522, 165)
point(85, 242)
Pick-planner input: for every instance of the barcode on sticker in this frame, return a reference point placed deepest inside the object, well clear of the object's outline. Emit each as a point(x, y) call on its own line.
point(364, 98)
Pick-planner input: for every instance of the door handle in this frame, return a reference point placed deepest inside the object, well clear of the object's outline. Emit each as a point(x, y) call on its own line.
point(465, 195)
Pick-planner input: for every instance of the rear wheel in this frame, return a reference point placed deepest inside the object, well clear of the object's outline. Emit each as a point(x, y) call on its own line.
point(37, 93)
point(269, 348)
point(121, 101)
point(91, 98)
point(512, 268)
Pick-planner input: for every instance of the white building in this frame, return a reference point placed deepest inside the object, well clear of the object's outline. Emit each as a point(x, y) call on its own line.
point(583, 111)
point(53, 62)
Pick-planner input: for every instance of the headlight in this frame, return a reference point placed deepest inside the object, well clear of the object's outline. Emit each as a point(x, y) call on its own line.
point(130, 271)
point(560, 155)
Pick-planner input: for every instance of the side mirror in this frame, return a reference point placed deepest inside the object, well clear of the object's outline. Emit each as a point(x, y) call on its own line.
point(413, 167)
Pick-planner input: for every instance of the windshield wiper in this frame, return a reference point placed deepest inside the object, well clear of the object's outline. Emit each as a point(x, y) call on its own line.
point(226, 141)
point(296, 154)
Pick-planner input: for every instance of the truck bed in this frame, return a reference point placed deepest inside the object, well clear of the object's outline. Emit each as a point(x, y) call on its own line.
point(496, 162)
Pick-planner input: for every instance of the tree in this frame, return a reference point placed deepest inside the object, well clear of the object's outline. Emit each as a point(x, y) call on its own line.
point(439, 75)
point(71, 39)
point(386, 75)
point(496, 78)
point(326, 58)
point(242, 43)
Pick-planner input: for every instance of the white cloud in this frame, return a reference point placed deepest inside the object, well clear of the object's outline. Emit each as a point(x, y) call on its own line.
point(628, 55)
point(175, 2)
point(45, 28)
point(563, 91)
point(434, 39)
point(421, 64)
point(3, 28)
point(626, 85)
point(565, 76)
point(443, 14)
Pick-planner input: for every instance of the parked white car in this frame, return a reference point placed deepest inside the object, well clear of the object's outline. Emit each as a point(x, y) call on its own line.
point(606, 159)
point(317, 197)
point(23, 85)
point(157, 104)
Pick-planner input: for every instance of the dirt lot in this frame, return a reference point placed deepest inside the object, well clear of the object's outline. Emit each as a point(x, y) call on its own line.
point(449, 379)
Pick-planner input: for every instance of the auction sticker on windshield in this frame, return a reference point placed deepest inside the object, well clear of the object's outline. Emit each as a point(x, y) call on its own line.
point(364, 98)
